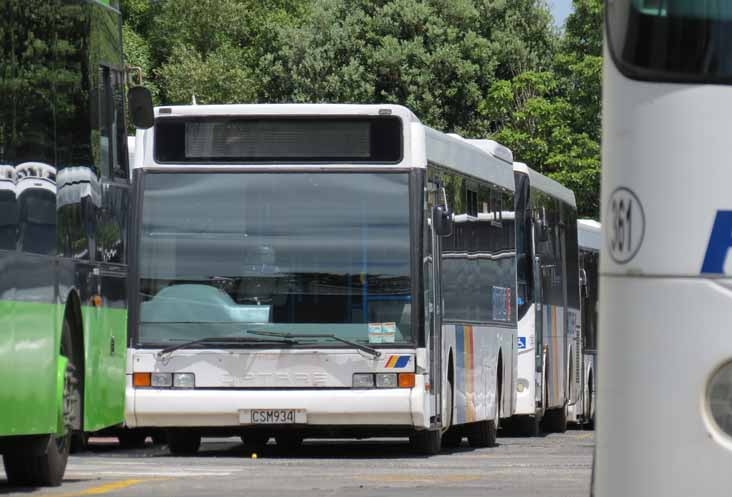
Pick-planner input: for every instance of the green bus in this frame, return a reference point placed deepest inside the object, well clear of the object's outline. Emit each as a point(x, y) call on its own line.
point(64, 192)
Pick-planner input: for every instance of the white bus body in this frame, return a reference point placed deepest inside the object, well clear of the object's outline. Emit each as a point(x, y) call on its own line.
point(588, 236)
point(457, 348)
point(549, 372)
point(663, 422)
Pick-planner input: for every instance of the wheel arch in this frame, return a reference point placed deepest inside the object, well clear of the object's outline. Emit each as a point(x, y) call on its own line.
point(72, 314)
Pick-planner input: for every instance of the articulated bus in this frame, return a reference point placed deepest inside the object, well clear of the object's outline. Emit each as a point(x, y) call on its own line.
point(549, 349)
point(316, 271)
point(588, 237)
point(63, 259)
point(664, 420)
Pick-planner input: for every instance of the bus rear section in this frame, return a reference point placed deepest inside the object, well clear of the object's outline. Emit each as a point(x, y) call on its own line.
point(280, 284)
point(549, 375)
point(663, 419)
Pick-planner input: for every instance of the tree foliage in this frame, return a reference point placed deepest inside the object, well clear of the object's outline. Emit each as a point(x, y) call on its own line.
point(481, 68)
point(551, 119)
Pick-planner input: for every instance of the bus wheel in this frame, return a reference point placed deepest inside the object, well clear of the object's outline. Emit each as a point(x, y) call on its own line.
point(183, 442)
point(131, 439)
point(428, 442)
point(555, 420)
point(483, 433)
point(32, 469)
point(521, 426)
point(289, 441)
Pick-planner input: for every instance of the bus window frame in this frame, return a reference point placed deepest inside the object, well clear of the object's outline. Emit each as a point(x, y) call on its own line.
point(276, 161)
point(416, 182)
point(649, 75)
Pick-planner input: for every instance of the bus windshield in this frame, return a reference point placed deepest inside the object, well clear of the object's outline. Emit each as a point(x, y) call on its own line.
point(672, 40)
point(225, 253)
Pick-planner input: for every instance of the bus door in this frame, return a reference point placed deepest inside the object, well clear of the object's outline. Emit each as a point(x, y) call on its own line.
point(434, 340)
point(538, 314)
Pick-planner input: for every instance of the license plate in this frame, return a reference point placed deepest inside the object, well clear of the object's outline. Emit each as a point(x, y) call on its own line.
point(272, 416)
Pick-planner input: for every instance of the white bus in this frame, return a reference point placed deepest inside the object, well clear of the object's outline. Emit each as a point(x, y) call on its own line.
point(664, 420)
point(8, 208)
point(588, 236)
point(298, 273)
point(35, 191)
point(549, 348)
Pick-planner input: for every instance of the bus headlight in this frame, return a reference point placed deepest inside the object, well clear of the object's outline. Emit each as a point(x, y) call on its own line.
point(719, 398)
point(388, 380)
point(184, 380)
point(363, 380)
point(161, 380)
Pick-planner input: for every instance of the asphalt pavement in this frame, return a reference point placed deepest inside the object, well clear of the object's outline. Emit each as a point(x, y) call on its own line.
point(556, 465)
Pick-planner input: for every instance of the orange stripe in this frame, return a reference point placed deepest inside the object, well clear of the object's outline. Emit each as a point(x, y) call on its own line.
point(391, 362)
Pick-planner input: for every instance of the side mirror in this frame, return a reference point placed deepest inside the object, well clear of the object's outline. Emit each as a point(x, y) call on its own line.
point(442, 220)
point(584, 289)
point(139, 101)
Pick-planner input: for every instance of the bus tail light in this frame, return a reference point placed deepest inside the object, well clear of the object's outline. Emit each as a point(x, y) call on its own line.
point(141, 379)
point(406, 380)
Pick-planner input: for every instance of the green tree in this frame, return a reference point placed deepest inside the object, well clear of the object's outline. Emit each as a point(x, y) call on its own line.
point(438, 57)
point(207, 48)
point(551, 119)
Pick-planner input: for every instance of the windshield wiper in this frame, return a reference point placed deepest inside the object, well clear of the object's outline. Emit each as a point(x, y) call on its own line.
point(222, 340)
point(359, 346)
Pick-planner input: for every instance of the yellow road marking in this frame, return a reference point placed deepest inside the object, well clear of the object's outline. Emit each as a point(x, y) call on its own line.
point(104, 489)
point(584, 436)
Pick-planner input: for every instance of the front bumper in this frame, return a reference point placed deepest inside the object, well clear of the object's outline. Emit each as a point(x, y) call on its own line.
point(147, 407)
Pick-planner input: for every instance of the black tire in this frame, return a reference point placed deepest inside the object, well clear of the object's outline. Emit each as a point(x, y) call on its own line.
point(521, 426)
point(289, 441)
point(483, 433)
point(79, 442)
point(555, 420)
point(428, 442)
point(183, 442)
point(131, 439)
point(30, 469)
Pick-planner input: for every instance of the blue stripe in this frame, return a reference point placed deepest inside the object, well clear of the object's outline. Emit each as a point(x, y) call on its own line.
point(402, 361)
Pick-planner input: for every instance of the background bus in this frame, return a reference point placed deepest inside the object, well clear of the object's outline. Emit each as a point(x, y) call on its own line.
point(549, 349)
point(63, 252)
point(664, 403)
point(336, 297)
point(588, 236)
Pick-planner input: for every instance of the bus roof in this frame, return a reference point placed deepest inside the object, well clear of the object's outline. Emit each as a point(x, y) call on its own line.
point(288, 110)
point(588, 234)
point(483, 159)
point(465, 156)
point(546, 184)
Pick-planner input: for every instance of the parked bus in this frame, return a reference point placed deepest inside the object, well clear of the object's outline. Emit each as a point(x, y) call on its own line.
point(62, 295)
point(8, 210)
point(588, 236)
point(549, 349)
point(361, 282)
point(664, 404)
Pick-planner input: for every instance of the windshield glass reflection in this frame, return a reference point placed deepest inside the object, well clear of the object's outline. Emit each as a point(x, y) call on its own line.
point(307, 253)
